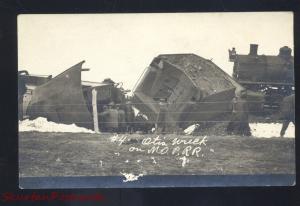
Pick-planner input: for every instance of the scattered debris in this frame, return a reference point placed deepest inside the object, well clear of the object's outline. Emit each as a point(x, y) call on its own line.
point(191, 129)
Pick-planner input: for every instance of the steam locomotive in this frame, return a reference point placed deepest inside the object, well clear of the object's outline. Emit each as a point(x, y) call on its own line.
point(268, 76)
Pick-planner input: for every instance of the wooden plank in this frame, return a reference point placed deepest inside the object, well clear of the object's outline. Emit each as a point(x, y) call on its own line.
point(95, 111)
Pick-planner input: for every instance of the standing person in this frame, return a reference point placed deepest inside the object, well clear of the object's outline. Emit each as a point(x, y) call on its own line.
point(121, 120)
point(112, 118)
point(129, 116)
point(287, 112)
point(21, 91)
point(161, 122)
point(139, 122)
point(103, 119)
point(239, 123)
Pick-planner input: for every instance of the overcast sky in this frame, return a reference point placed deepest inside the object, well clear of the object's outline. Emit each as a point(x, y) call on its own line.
point(121, 46)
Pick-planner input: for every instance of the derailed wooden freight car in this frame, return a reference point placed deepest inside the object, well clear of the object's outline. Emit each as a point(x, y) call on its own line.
point(67, 99)
point(194, 89)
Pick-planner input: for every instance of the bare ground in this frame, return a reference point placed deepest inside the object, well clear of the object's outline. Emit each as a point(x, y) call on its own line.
point(67, 154)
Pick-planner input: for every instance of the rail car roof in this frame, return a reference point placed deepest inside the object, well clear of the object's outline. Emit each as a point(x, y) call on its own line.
point(198, 69)
point(269, 59)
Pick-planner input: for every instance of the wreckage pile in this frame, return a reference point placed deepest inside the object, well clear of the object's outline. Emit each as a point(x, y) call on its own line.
point(182, 89)
point(195, 89)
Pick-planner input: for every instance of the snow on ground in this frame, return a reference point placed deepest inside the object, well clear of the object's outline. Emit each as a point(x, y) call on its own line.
point(266, 130)
point(41, 124)
point(271, 130)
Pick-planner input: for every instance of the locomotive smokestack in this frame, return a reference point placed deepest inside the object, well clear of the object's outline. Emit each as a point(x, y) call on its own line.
point(253, 49)
point(285, 51)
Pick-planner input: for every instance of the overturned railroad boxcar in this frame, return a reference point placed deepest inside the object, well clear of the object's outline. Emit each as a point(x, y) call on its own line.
point(67, 99)
point(196, 90)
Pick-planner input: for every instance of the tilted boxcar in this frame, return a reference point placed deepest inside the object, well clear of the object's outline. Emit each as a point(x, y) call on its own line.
point(195, 89)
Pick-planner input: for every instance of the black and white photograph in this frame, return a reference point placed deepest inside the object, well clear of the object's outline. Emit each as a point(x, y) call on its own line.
point(156, 100)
